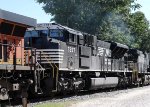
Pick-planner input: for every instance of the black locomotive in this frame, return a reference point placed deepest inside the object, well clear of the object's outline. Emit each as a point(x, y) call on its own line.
point(75, 61)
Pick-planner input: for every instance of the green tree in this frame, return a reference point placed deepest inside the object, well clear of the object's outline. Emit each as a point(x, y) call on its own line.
point(84, 15)
point(115, 28)
point(139, 30)
point(108, 19)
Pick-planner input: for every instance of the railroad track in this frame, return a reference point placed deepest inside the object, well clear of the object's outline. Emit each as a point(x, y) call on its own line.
point(61, 98)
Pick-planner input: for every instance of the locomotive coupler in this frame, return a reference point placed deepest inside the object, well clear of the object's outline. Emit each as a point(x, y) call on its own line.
point(24, 94)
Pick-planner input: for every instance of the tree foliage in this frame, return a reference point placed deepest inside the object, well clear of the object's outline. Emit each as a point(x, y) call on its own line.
point(108, 19)
point(139, 29)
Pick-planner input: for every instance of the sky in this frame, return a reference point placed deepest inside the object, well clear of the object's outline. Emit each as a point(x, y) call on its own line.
point(145, 7)
point(28, 8)
point(33, 9)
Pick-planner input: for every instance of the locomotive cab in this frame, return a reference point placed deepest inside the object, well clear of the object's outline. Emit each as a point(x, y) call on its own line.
point(43, 35)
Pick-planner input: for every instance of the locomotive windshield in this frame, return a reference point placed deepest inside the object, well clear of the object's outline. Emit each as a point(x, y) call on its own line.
point(31, 34)
point(52, 33)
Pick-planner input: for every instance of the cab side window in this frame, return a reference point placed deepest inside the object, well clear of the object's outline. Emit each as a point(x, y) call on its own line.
point(56, 33)
point(72, 38)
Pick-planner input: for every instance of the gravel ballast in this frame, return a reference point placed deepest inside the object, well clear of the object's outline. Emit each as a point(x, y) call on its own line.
point(136, 97)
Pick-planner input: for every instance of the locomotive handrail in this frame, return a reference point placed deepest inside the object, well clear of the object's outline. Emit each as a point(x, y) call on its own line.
point(14, 52)
point(40, 66)
point(50, 62)
point(15, 45)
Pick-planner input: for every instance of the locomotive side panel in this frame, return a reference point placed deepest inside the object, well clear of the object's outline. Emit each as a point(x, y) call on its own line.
point(84, 57)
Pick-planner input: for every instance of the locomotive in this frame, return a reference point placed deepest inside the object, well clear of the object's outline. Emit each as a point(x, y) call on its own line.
point(15, 75)
point(75, 61)
point(41, 59)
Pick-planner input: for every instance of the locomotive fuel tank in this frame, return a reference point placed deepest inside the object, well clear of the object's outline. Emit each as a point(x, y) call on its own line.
point(97, 83)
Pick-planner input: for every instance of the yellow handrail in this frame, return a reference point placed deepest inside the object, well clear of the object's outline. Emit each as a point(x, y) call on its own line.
point(53, 68)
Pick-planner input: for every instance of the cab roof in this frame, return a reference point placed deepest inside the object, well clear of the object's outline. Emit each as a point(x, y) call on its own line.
point(13, 17)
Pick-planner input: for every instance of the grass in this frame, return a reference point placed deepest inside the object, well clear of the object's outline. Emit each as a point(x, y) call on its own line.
point(55, 104)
